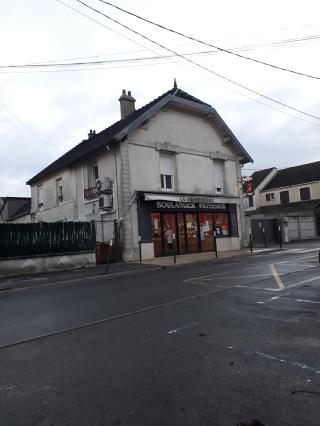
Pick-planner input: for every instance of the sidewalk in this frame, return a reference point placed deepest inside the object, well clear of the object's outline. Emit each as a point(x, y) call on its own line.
point(115, 269)
point(195, 257)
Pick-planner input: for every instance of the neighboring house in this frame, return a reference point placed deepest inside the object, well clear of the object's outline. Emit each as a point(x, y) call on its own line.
point(169, 172)
point(288, 198)
point(15, 209)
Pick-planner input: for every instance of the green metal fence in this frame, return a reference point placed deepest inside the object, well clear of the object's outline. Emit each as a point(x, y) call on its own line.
point(45, 238)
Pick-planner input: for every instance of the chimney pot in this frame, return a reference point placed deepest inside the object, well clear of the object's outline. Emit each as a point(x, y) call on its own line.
point(91, 133)
point(127, 103)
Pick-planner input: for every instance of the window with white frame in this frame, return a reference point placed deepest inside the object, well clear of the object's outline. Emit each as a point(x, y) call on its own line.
point(218, 170)
point(40, 197)
point(166, 171)
point(93, 174)
point(59, 185)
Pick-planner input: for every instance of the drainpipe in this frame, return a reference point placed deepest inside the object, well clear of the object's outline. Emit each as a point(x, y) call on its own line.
point(116, 179)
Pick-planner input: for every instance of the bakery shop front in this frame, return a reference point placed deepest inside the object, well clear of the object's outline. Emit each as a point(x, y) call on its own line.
point(185, 223)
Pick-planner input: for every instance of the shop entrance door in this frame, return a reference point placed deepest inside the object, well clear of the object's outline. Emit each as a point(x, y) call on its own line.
point(192, 232)
point(182, 234)
point(169, 229)
point(206, 231)
point(156, 233)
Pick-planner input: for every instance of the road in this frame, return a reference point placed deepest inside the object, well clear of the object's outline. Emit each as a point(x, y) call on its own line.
point(212, 343)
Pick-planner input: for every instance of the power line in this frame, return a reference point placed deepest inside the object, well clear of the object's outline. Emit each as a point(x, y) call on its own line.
point(208, 44)
point(103, 25)
point(102, 62)
point(63, 62)
point(28, 127)
point(200, 66)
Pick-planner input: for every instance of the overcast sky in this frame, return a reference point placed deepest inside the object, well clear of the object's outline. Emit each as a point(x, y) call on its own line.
point(45, 112)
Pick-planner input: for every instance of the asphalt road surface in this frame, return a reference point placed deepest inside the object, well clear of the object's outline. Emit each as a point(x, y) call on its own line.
point(211, 343)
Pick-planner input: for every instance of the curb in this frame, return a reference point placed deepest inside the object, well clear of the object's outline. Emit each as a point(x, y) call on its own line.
point(8, 289)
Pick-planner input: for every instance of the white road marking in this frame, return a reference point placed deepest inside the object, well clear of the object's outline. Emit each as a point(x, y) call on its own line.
point(182, 328)
point(309, 250)
point(285, 361)
point(304, 282)
point(237, 277)
point(277, 278)
point(295, 259)
point(299, 300)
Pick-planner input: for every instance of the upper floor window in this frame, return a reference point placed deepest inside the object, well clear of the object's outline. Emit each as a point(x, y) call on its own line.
point(284, 197)
point(270, 197)
point(59, 184)
point(92, 174)
point(166, 171)
point(40, 197)
point(218, 168)
point(250, 200)
point(305, 193)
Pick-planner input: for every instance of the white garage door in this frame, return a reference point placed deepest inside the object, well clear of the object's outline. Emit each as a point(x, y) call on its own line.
point(307, 227)
point(293, 228)
point(301, 228)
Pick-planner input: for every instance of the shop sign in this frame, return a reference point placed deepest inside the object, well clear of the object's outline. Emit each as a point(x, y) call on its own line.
point(189, 205)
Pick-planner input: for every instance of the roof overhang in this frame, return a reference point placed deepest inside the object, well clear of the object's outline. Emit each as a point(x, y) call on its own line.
point(205, 110)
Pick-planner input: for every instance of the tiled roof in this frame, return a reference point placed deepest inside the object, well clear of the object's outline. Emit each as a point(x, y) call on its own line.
point(24, 209)
point(297, 175)
point(259, 176)
point(106, 136)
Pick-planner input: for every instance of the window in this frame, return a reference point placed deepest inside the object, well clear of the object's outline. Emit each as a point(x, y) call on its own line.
point(166, 171)
point(305, 193)
point(218, 176)
point(40, 197)
point(221, 223)
point(59, 184)
point(284, 197)
point(250, 200)
point(93, 174)
point(270, 197)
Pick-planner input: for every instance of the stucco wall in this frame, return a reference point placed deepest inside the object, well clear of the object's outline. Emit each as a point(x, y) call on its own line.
point(195, 141)
point(294, 194)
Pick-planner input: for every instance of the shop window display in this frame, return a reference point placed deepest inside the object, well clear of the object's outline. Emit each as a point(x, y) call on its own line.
point(221, 222)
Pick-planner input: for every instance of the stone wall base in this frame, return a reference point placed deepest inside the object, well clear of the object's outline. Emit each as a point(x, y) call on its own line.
point(46, 263)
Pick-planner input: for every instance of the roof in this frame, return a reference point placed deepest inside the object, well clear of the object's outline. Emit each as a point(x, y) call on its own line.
point(117, 130)
point(23, 210)
point(297, 175)
point(259, 176)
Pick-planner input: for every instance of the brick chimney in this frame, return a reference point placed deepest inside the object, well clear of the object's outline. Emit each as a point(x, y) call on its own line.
point(127, 103)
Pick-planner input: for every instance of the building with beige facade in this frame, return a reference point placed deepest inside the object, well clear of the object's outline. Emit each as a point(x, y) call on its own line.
point(169, 173)
point(285, 200)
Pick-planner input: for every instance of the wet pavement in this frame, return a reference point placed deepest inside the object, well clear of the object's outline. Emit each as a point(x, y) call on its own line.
point(209, 343)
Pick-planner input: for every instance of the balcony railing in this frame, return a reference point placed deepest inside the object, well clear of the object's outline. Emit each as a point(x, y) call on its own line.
point(90, 193)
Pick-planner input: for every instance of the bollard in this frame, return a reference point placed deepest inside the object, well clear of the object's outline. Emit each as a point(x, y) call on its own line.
point(250, 240)
point(215, 242)
point(174, 248)
point(280, 237)
point(264, 237)
point(108, 257)
point(140, 254)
